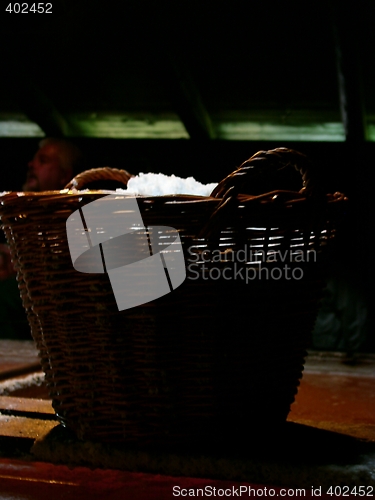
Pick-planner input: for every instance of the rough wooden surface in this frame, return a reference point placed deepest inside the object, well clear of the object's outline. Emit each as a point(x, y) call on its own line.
point(17, 358)
point(329, 440)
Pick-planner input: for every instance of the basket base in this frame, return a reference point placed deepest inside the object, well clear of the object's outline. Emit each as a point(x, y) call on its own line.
point(219, 359)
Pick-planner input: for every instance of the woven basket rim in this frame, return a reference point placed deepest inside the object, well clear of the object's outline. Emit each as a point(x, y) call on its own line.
point(67, 194)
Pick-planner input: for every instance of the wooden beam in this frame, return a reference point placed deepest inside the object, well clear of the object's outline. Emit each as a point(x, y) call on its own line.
point(171, 46)
point(41, 110)
point(188, 101)
point(30, 98)
point(345, 30)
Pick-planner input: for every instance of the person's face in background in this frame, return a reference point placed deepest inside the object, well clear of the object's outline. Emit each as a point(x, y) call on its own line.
point(45, 171)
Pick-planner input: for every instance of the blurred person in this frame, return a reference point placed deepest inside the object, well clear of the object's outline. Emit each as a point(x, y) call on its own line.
point(54, 164)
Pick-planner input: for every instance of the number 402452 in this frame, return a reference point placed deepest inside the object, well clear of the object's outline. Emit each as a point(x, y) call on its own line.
point(25, 8)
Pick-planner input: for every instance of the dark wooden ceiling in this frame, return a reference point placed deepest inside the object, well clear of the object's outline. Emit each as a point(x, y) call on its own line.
point(205, 63)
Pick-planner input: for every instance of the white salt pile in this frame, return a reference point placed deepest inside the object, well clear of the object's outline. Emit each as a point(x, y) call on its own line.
point(161, 184)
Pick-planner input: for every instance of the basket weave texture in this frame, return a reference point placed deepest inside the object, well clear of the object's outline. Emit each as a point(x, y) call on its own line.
point(224, 351)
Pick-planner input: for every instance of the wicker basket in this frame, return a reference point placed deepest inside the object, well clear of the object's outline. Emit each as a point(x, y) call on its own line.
point(224, 351)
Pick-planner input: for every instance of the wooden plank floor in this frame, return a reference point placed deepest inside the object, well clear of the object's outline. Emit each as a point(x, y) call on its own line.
point(336, 395)
point(333, 396)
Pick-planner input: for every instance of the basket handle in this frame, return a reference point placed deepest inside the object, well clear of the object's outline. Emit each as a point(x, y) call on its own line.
point(262, 169)
point(266, 164)
point(97, 175)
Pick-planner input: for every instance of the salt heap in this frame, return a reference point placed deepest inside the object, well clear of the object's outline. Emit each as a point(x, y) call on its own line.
point(160, 184)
